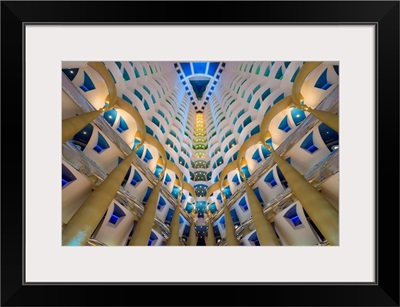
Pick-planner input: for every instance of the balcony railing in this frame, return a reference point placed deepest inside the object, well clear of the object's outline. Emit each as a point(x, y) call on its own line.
point(316, 176)
point(330, 103)
point(86, 106)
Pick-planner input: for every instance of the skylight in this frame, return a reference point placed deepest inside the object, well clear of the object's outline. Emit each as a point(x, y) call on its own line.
point(199, 79)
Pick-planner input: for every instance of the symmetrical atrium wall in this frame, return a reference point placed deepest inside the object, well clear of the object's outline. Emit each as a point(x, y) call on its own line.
point(155, 154)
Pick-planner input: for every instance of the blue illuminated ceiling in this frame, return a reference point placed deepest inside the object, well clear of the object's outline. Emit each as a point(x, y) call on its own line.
point(199, 86)
point(201, 190)
point(201, 206)
point(199, 68)
point(199, 79)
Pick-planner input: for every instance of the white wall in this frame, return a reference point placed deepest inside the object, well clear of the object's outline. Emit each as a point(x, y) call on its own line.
point(74, 194)
point(108, 158)
point(182, 226)
point(267, 192)
point(312, 95)
point(242, 215)
point(330, 189)
point(96, 97)
point(301, 159)
point(162, 214)
point(301, 235)
point(69, 107)
point(114, 235)
point(139, 191)
point(245, 240)
point(221, 229)
point(160, 239)
point(128, 135)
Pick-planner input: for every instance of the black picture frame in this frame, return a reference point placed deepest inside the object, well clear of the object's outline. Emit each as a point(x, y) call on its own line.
point(383, 14)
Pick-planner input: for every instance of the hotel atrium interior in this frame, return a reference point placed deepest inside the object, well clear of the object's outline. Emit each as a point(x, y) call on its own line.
point(200, 153)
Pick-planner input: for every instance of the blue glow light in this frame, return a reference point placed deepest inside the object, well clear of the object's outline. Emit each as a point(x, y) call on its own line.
point(87, 83)
point(199, 67)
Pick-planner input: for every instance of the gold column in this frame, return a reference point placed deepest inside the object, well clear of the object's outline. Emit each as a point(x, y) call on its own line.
point(105, 74)
point(212, 188)
point(323, 214)
point(72, 125)
point(230, 233)
point(141, 127)
point(186, 186)
point(210, 232)
point(280, 106)
point(84, 221)
point(173, 239)
point(192, 234)
point(328, 118)
point(265, 232)
point(141, 234)
point(302, 75)
point(156, 143)
point(229, 227)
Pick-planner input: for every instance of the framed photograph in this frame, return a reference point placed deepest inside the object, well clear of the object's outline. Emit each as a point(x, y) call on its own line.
point(52, 53)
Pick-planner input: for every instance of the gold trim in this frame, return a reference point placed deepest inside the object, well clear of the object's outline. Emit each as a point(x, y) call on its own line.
point(130, 109)
point(227, 169)
point(154, 142)
point(253, 140)
point(212, 188)
point(105, 74)
point(275, 110)
point(72, 125)
point(173, 167)
point(302, 75)
point(186, 186)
